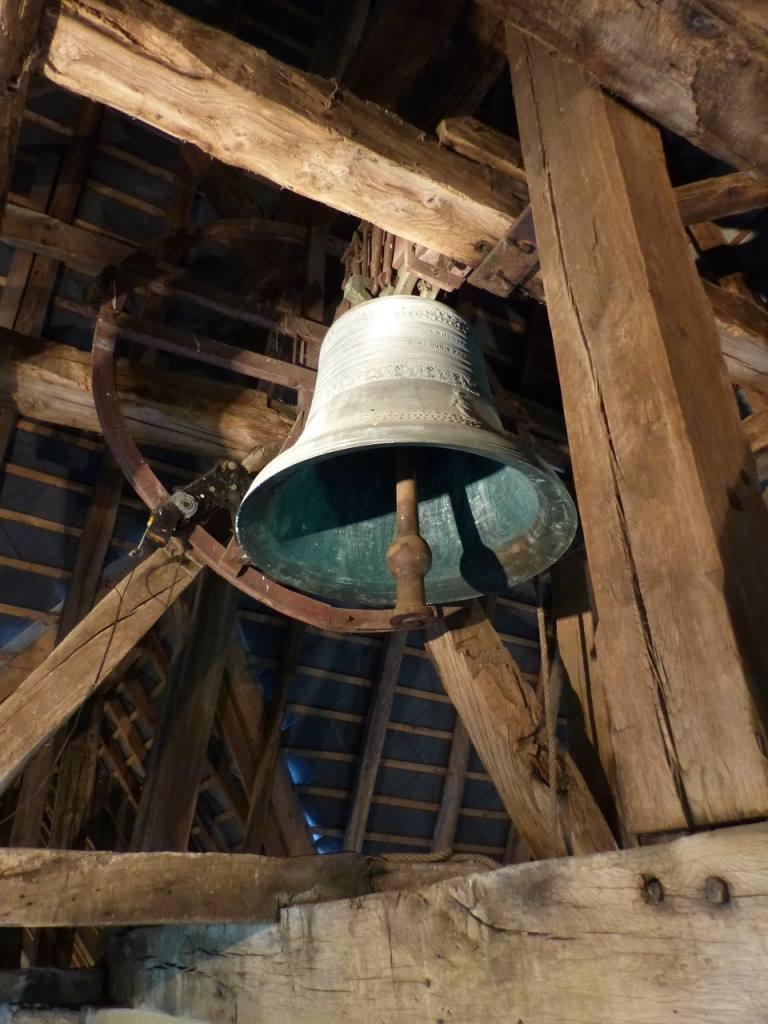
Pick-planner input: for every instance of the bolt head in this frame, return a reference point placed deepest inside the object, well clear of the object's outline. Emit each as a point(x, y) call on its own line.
point(653, 891)
point(716, 890)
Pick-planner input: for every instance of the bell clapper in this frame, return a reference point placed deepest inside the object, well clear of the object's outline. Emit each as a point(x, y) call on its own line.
point(408, 556)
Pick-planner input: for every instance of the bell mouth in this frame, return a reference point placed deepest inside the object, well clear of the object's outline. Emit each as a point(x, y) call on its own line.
point(323, 525)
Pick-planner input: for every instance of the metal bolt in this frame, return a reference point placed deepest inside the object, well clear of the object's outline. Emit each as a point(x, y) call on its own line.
point(716, 890)
point(654, 891)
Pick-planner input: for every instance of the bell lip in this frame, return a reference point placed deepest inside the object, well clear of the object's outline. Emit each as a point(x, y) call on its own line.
point(507, 451)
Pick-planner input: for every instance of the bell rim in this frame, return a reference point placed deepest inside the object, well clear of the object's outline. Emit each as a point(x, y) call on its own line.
point(507, 451)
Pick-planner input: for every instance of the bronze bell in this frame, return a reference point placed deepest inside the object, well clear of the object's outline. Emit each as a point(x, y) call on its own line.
point(402, 406)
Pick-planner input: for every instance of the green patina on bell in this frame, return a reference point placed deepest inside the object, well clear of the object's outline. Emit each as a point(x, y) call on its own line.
point(404, 372)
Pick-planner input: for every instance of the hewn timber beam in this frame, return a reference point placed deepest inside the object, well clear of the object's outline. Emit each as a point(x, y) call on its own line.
point(52, 382)
point(676, 531)
point(680, 63)
point(85, 657)
point(19, 26)
point(87, 889)
point(505, 721)
point(249, 110)
point(174, 768)
point(742, 329)
point(618, 938)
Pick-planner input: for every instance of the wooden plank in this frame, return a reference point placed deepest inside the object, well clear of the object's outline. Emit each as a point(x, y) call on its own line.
point(376, 726)
point(674, 523)
point(49, 986)
point(453, 788)
point(567, 940)
point(88, 889)
point(177, 758)
point(724, 196)
point(680, 63)
point(274, 120)
point(52, 382)
point(478, 142)
point(505, 721)
point(77, 665)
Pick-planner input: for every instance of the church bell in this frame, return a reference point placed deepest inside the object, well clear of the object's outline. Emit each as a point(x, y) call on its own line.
point(402, 411)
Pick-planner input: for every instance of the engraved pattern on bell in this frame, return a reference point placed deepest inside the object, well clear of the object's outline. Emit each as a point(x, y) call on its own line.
point(404, 371)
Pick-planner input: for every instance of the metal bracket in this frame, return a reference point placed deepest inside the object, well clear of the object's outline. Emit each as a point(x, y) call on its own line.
point(441, 271)
point(513, 261)
point(222, 488)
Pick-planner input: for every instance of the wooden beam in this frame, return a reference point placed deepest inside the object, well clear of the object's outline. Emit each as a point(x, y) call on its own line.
point(680, 63)
point(52, 382)
point(453, 788)
point(724, 196)
point(699, 201)
point(274, 120)
point(505, 721)
point(86, 889)
point(618, 938)
point(269, 755)
point(177, 758)
point(373, 742)
point(242, 723)
point(742, 328)
point(83, 660)
point(19, 25)
point(675, 527)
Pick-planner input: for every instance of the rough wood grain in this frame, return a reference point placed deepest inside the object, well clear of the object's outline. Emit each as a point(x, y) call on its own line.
point(675, 527)
point(680, 63)
point(249, 110)
point(52, 382)
point(713, 198)
point(65, 888)
point(572, 941)
point(19, 25)
point(742, 328)
point(77, 665)
point(505, 721)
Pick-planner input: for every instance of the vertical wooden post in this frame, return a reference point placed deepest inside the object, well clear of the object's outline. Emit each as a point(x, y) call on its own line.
point(676, 532)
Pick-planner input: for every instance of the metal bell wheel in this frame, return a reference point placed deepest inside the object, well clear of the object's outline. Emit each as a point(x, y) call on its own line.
point(403, 441)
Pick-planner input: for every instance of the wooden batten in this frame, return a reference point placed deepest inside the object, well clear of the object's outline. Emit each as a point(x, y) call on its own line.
point(675, 528)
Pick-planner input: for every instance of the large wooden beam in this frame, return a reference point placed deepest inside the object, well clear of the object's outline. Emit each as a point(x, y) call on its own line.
point(58, 888)
point(52, 382)
point(19, 25)
point(76, 666)
point(505, 721)
point(680, 63)
point(300, 131)
point(618, 938)
point(676, 531)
